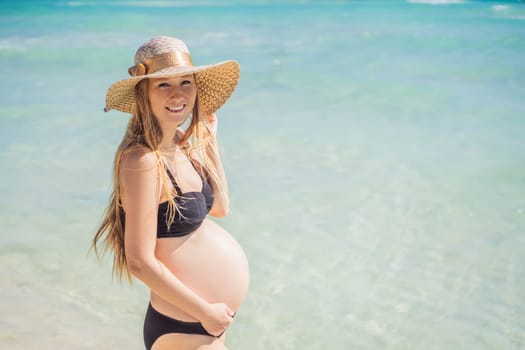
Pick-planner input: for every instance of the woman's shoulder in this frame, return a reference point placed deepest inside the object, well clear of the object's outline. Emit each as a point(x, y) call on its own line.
point(138, 157)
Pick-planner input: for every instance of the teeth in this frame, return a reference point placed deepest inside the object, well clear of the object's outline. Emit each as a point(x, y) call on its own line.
point(175, 109)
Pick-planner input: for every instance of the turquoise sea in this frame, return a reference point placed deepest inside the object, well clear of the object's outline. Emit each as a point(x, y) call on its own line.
point(375, 153)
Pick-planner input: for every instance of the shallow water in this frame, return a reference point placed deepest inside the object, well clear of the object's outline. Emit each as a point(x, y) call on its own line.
point(375, 155)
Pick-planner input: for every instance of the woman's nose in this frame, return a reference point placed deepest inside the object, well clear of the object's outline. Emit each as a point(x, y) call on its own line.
point(175, 91)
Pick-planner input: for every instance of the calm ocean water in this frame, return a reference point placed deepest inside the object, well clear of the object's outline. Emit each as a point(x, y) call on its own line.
point(375, 153)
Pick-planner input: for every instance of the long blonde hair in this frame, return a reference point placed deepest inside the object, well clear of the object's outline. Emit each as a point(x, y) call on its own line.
point(144, 130)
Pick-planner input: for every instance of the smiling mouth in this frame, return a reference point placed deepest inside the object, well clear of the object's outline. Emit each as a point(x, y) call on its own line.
point(175, 109)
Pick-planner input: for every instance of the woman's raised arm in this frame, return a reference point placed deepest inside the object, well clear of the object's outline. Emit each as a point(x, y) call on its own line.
point(221, 203)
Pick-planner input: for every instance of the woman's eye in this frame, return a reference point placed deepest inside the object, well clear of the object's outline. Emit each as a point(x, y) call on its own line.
point(185, 82)
point(164, 85)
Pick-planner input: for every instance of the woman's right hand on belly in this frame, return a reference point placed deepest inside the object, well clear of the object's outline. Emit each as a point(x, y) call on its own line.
point(217, 319)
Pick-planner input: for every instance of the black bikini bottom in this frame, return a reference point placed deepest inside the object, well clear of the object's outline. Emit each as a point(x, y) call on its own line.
point(157, 324)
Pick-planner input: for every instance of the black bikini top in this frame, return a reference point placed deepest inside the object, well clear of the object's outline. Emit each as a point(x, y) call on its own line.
point(192, 209)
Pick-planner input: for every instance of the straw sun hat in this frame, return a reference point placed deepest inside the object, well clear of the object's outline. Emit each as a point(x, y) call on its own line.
point(163, 57)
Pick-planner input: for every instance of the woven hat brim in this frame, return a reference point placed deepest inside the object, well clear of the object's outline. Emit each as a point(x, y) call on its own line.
point(215, 85)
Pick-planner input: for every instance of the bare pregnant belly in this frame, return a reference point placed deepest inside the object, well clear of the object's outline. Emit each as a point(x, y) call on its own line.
point(210, 262)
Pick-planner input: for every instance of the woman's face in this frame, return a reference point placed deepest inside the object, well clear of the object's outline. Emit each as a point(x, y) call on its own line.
point(172, 99)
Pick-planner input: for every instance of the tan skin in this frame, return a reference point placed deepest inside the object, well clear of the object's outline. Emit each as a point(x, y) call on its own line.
point(173, 268)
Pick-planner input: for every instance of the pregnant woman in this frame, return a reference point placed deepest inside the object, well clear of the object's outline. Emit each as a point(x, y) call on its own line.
point(168, 178)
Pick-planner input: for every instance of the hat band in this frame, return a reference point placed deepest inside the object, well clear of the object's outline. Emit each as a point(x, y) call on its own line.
point(170, 59)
